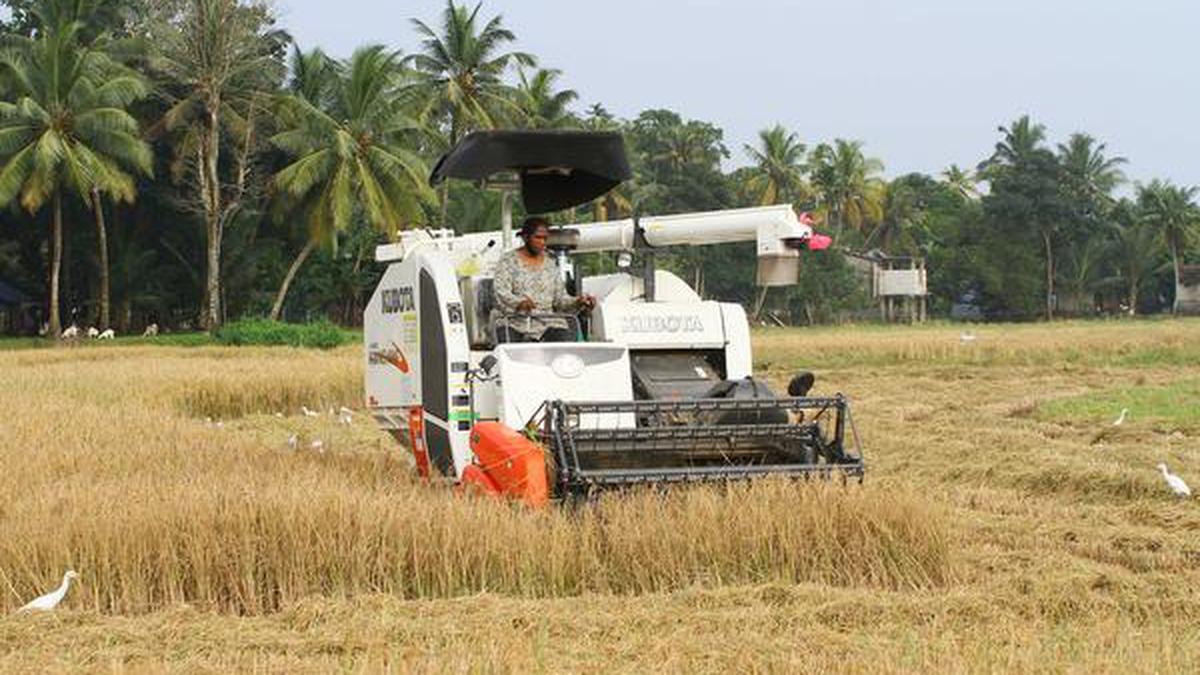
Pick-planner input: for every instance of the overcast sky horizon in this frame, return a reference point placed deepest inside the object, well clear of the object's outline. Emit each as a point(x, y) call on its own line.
point(923, 84)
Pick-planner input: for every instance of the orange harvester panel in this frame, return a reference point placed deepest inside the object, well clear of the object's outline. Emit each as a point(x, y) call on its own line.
point(416, 436)
point(514, 462)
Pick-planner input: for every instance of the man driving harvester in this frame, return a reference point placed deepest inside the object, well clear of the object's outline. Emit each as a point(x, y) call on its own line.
point(528, 287)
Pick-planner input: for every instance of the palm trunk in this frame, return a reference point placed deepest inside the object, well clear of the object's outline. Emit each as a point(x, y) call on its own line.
point(102, 245)
point(762, 299)
point(1175, 264)
point(56, 240)
point(1049, 277)
point(124, 314)
point(445, 192)
point(277, 308)
point(211, 188)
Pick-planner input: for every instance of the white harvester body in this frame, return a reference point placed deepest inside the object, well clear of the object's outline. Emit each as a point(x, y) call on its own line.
point(423, 337)
point(657, 384)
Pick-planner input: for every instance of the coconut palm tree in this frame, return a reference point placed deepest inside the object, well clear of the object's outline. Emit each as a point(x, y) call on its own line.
point(67, 131)
point(1171, 211)
point(313, 75)
point(460, 72)
point(903, 213)
point(352, 157)
point(848, 188)
point(963, 182)
point(1137, 257)
point(1020, 141)
point(314, 79)
point(221, 61)
point(779, 167)
point(539, 105)
point(1021, 158)
point(1093, 175)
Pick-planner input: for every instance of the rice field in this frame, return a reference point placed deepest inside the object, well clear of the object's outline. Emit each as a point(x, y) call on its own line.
point(1004, 525)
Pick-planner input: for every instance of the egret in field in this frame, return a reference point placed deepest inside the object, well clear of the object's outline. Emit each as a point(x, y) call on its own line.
point(71, 332)
point(293, 442)
point(308, 413)
point(1176, 483)
point(966, 336)
point(93, 332)
point(50, 600)
point(318, 445)
point(346, 416)
point(151, 330)
point(1121, 418)
point(107, 335)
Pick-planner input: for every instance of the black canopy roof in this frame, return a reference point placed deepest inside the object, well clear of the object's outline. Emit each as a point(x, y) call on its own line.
point(558, 169)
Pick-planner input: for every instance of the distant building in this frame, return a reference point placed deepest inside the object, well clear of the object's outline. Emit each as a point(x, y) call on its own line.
point(898, 283)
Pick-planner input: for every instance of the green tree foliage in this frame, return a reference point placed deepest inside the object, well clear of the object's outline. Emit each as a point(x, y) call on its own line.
point(238, 223)
point(849, 191)
point(963, 182)
point(1172, 213)
point(1136, 256)
point(68, 131)
point(677, 168)
point(539, 105)
point(351, 156)
point(778, 173)
point(222, 61)
point(460, 74)
point(1026, 199)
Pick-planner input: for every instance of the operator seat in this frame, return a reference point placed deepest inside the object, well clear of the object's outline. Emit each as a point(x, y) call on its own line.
point(478, 303)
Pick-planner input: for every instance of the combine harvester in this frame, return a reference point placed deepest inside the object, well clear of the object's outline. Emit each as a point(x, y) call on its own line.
point(656, 389)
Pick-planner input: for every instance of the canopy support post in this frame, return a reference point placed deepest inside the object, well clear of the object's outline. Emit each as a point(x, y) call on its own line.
point(506, 219)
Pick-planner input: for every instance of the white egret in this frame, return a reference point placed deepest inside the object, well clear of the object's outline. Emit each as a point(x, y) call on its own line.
point(308, 413)
point(151, 330)
point(318, 445)
point(50, 600)
point(107, 335)
point(293, 442)
point(93, 333)
point(966, 336)
point(71, 332)
point(1121, 418)
point(1176, 483)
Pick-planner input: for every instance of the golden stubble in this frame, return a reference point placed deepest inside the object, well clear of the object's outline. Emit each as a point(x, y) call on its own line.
point(985, 537)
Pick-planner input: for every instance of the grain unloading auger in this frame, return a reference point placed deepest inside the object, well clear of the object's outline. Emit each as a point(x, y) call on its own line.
point(657, 387)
